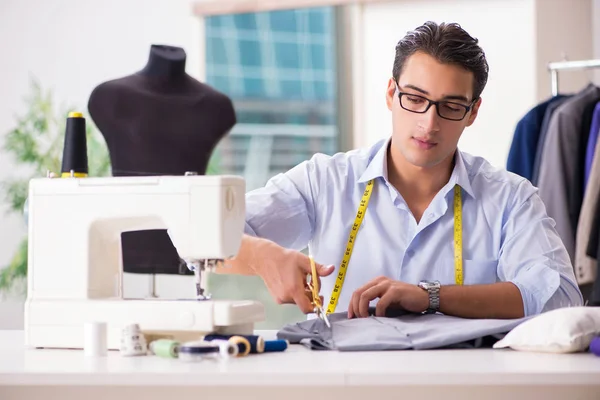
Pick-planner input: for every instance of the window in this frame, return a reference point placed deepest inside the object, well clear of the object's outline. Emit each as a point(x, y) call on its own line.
point(280, 69)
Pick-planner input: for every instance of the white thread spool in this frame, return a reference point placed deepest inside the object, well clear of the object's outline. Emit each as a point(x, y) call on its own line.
point(94, 339)
point(133, 342)
point(227, 349)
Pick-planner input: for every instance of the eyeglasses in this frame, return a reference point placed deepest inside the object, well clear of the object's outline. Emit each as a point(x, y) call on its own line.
point(445, 109)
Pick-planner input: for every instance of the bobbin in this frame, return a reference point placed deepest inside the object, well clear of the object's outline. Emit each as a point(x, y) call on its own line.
point(198, 351)
point(226, 348)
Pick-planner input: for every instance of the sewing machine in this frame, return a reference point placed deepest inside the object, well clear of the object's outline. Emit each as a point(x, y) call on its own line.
point(75, 260)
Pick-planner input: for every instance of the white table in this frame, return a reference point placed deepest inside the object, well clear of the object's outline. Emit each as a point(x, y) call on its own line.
point(297, 373)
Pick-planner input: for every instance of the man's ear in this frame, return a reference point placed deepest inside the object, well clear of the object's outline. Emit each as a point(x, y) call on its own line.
point(474, 112)
point(390, 92)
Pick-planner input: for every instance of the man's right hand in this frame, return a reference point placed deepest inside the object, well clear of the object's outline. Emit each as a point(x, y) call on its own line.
point(284, 271)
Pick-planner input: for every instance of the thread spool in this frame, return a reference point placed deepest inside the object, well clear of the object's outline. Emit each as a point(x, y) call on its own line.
point(595, 346)
point(133, 342)
point(94, 339)
point(276, 345)
point(75, 160)
point(227, 348)
point(242, 344)
point(165, 348)
point(257, 343)
point(198, 351)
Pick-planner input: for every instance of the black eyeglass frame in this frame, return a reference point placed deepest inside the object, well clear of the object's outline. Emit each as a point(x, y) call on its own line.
point(436, 103)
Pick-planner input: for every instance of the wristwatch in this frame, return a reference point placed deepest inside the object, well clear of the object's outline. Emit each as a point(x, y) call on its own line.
point(433, 288)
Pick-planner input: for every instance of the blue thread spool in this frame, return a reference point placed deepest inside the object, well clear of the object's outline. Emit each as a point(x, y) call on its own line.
point(276, 345)
point(257, 343)
point(198, 350)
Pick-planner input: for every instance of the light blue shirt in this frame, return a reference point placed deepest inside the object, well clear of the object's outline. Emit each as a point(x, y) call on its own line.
point(507, 235)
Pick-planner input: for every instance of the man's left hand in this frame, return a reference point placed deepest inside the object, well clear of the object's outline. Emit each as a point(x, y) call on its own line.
point(391, 294)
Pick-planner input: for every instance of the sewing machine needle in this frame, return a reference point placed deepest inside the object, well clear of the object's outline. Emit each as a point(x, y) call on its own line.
point(198, 283)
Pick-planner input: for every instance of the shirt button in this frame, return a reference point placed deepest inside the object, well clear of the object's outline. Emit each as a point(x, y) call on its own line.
point(410, 253)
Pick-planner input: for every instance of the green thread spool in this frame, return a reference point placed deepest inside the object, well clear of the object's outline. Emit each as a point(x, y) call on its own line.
point(165, 348)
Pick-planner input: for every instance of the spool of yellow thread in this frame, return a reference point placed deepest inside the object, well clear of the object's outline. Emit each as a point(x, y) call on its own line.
point(242, 343)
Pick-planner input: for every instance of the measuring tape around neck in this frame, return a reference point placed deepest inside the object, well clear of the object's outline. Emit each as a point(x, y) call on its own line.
point(362, 209)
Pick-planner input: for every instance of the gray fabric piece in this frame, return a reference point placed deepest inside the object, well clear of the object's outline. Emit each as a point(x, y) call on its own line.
point(557, 171)
point(413, 331)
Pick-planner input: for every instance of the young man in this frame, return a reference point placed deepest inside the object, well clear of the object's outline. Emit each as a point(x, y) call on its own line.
point(441, 230)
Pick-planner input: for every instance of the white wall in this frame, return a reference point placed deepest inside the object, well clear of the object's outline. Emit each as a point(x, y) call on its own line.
point(517, 47)
point(71, 46)
point(596, 35)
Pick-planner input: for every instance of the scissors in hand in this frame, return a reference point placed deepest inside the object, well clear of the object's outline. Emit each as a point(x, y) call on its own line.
point(316, 300)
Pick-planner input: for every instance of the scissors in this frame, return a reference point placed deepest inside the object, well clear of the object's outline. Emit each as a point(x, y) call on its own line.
point(313, 286)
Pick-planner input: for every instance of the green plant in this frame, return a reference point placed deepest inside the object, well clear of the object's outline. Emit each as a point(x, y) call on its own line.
point(36, 144)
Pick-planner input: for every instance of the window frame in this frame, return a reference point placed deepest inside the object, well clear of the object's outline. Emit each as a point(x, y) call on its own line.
point(349, 72)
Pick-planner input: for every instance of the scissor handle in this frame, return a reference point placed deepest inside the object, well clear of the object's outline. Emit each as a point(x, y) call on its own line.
point(314, 283)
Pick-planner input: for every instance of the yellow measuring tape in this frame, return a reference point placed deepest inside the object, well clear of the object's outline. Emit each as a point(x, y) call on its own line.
point(362, 209)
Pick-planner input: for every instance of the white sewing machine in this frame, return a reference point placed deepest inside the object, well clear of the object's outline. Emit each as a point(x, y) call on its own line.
point(75, 264)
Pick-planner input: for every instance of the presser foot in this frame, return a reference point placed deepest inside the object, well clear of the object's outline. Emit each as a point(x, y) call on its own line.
point(200, 269)
point(201, 294)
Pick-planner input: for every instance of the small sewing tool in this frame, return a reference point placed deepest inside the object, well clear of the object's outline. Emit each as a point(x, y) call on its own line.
point(316, 300)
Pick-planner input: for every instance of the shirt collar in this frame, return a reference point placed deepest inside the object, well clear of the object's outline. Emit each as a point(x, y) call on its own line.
point(460, 175)
point(377, 168)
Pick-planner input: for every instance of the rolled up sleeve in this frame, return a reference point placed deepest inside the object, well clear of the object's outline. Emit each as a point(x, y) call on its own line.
point(284, 210)
point(534, 258)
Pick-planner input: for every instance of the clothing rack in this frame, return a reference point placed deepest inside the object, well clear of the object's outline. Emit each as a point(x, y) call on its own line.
point(554, 67)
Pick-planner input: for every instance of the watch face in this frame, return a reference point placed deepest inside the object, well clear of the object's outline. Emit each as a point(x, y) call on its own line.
point(428, 285)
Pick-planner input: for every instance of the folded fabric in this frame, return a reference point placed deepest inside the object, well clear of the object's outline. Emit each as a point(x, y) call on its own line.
point(411, 331)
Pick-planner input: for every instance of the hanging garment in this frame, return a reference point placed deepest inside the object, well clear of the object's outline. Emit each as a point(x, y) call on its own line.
point(594, 299)
point(558, 168)
point(535, 173)
point(591, 144)
point(586, 266)
point(593, 248)
point(521, 155)
point(410, 331)
point(575, 196)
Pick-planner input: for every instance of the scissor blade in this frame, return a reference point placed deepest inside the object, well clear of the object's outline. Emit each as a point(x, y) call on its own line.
point(323, 316)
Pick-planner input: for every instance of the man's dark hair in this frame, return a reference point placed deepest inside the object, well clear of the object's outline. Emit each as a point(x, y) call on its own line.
point(449, 44)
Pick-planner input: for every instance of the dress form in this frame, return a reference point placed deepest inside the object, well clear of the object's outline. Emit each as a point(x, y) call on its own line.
point(159, 121)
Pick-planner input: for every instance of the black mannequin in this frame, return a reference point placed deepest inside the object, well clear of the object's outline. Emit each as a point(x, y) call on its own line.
point(159, 121)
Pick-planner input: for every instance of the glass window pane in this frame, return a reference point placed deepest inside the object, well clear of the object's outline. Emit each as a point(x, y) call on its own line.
point(283, 21)
point(250, 53)
point(279, 69)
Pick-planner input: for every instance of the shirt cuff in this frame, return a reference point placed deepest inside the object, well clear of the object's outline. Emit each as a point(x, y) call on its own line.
point(537, 284)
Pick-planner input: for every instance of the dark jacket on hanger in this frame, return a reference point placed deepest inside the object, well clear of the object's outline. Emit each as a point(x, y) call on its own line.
point(524, 146)
point(535, 173)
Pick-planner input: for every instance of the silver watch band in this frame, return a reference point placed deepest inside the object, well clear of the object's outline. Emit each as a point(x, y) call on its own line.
point(433, 290)
point(434, 299)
